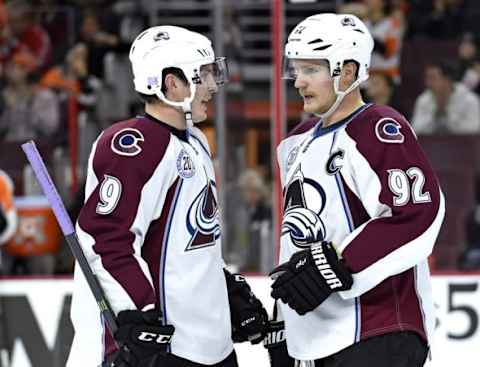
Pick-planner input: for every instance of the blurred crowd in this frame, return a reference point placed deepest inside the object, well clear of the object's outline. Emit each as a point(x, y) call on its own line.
point(64, 65)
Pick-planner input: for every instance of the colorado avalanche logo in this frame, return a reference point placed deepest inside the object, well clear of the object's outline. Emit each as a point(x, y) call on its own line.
point(388, 131)
point(203, 219)
point(303, 224)
point(126, 142)
point(348, 21)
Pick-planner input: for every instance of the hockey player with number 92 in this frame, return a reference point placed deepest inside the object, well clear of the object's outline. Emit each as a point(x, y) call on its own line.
point(150, 224)
point(362, 211)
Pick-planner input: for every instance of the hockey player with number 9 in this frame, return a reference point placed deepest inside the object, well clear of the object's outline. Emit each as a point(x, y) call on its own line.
point(362, 211)
point(150, 224)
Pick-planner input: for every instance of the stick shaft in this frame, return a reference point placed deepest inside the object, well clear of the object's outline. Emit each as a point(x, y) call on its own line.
point(50, 191)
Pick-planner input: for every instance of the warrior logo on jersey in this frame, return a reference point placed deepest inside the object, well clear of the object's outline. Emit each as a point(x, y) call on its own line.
point(333, 165)
point(292, 156)
point(202, 219)
point(126, 142)
point(303, 224)
point(185, 166)
point(388, 131)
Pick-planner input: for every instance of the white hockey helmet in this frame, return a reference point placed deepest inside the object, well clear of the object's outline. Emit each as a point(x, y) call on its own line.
point(161, 47)
point(335, 38)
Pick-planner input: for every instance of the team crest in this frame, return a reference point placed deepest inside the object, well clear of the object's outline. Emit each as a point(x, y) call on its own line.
point(348, 21)
point(185, 166)
point(302, 222)
point(127, 142)
point(388, 131)
point(292, 156)
point(203, 222)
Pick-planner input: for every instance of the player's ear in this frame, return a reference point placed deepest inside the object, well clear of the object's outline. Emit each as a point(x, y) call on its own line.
point(171, 85)
point(349, 73)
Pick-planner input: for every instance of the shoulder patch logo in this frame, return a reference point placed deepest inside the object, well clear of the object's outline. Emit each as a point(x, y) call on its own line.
point(185, 166)
point(292, 156)
point(388, 131)
point(126, 142)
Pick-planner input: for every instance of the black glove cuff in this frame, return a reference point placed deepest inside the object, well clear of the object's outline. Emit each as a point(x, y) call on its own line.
point(333, 271)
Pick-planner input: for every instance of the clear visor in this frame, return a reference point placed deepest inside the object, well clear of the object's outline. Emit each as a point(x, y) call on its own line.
point(294, 69)
point(216, 72)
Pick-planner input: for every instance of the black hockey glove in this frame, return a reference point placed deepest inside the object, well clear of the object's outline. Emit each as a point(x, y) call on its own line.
point(249, 318)
point(143, 337)
point(276, 344)
point(309, 277)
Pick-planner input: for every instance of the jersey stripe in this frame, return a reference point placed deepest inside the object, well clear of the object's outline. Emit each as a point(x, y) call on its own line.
point(163, 260)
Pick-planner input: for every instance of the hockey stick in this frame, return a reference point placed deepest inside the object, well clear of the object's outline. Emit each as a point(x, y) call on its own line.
point(68, 230)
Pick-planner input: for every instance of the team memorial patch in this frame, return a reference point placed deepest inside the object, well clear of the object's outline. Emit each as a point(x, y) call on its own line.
point(292, 156)
point(388, 131)
point(126, 142)
point(185, 166)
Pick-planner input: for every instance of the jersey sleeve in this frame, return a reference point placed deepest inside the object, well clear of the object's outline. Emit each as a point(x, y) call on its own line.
point(400, 193)
point(125, 192)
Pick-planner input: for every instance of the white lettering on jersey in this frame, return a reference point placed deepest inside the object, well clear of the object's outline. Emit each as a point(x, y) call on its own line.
point(109, 193)
point(399, 184)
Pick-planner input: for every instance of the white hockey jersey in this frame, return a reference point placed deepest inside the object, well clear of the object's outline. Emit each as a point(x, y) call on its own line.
point(150, 230)
point(371, 191)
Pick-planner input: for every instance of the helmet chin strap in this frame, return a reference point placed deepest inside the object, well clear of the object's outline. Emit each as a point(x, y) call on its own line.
point(186, 105)
point(340, 96)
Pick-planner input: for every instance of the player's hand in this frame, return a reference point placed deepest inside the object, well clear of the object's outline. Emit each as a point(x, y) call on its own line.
point(275, 341)
point(143, 337)
point(276, 345)
point(249, 318)
point(309, 277)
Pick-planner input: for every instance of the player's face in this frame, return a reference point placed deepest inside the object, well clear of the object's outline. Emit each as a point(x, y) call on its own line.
point(204, 93)
point(315, 85)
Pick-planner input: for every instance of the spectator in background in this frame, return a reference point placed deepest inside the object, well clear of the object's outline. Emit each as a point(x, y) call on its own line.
point(387, 29)
point(57, 18)
point(260, 252)
point(8, 213)
point(381, 90)
point(30, 111)
point(28, 34)
point(445, 107)
point(99, 43)
point(469, 62)
point(439, 19)
point(72, 79)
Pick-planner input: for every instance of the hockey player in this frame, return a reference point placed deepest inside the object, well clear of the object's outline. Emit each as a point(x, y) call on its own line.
point(362, 211)
point(150, 224)
point(8, 212)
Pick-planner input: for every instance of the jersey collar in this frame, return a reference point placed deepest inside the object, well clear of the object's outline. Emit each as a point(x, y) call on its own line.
point(181, 134)
point(320, 130)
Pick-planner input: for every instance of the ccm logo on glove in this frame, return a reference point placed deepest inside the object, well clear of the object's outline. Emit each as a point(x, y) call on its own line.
point(157, 338)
